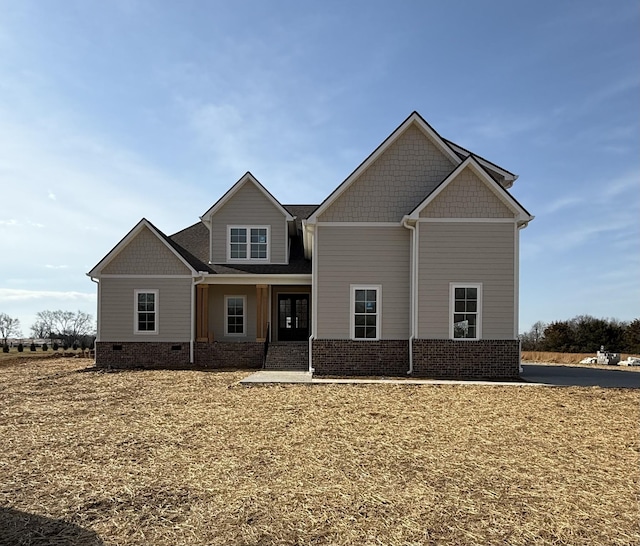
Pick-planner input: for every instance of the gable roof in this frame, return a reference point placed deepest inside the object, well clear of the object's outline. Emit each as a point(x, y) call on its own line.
point(463, 153)
point(523, 216)
point(413, 119)
point(187, 259)
point(246, 178)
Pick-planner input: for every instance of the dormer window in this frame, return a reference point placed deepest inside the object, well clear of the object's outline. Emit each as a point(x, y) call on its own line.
point(248, 243)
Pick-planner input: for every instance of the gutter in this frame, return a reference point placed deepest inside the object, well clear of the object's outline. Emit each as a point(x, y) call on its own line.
point(97, 309)
point(412, 305)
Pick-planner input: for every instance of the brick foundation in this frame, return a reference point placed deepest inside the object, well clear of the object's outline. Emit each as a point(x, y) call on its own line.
point(483, 359)
point(220, 354)
point(134, 354)
point(348, 357)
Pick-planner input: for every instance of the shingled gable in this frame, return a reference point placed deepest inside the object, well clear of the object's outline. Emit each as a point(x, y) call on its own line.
point(144, 223)
point(413, 119)
point(522, 216)
point(246, 178)
point(509, 177)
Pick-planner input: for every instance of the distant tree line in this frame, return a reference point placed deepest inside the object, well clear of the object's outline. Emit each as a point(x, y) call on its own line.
point(64, 328)
point(583, 334)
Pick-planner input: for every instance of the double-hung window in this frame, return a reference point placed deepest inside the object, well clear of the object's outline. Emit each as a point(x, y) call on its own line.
point(235, 317)
point(248, 243)
point(465, 311)
point(365, 312)
point(145, 312)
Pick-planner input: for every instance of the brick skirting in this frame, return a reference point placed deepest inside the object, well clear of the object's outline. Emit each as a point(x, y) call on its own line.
point(145, 354)
point(221, 354)
point(348, 357)
point(482, 359)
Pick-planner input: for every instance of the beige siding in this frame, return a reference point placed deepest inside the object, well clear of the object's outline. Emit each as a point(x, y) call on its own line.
point(145, 255)
point(466, 197)
point(217, 311)
point(395, 183)
point(117, 309)
point(249, 206)
point(362, 255)
point(466, 252)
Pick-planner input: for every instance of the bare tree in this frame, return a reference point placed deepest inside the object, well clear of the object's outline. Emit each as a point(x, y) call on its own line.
point(66, 325)
point(9, 326)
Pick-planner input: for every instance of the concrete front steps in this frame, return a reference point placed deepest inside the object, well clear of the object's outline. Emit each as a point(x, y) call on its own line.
point(288, 356)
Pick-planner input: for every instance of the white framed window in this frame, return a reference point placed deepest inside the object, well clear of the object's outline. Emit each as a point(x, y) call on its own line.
point(145, 314)
point(247, 243)
point(465, 310)
point(366, 311)
point(235, 315)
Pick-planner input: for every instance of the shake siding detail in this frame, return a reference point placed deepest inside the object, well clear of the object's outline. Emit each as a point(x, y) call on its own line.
point(395, 183)
point(217, 311)
point(467, 197)
point(466, 252)
point(249, 206)
point(362, 255)
point(117, 309)
point(145, 255)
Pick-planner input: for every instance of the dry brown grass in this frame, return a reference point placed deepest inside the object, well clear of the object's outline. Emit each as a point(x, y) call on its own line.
point(566, 358)
point(166, 458)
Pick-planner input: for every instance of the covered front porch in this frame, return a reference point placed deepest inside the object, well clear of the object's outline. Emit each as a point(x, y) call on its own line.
point(246, 324)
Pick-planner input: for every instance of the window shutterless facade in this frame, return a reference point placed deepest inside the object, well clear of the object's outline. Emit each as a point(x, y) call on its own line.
point(235, 315)
point(465, 311)
point(145, 319)
point(248, 243)
point(366, 312)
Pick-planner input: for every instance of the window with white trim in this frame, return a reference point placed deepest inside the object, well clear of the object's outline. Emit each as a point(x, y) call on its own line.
point(235, 317)
point(465, 311)
point(248, 243)
point(145, 312)
point(365, 312)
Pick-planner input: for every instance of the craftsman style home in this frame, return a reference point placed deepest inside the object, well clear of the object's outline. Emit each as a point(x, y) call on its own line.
point(410, 266)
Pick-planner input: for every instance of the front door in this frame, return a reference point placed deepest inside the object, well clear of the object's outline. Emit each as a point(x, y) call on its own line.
point(293, 317)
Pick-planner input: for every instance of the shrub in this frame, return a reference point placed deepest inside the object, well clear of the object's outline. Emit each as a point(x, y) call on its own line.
point(45, 347)
point(5, 348)
point(33, 346)
point(20, 347)
point(75, 346)
point(55, 346)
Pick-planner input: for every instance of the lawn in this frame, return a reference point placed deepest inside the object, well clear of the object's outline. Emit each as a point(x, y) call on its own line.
point(187, 457)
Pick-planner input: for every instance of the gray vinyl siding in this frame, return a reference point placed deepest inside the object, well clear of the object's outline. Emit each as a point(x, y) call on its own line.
point(474, 252)
point(249, 207)
point(117, 309)
point(217, 311)
point(395, 183)
point(145, 255)
point(362, 255)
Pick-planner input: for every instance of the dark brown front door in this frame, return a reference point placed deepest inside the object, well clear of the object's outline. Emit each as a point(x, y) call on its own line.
point(293, 317)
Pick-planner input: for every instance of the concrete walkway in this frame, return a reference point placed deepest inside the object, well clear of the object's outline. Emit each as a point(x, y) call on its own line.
point(268, 377)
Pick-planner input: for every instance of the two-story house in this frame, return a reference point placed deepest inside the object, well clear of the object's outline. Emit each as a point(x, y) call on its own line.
point(410, 266)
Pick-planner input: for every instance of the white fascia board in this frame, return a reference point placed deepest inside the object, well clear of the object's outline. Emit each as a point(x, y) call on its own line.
point(301, 279)
point(414, 118)
point(499, 191)
point(248, 177)
point(95, 272)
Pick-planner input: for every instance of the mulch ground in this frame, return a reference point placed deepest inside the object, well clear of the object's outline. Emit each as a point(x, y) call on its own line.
point(184, 457)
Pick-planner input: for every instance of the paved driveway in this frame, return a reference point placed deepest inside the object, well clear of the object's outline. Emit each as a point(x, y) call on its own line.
point(581, 376)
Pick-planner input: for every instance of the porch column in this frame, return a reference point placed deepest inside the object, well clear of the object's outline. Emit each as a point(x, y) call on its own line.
point(262, 311)
point(202, 312)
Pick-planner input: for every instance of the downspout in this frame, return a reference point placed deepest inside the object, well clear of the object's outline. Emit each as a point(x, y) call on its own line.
point(97, 311)
point(405, 223)
point(314, 294)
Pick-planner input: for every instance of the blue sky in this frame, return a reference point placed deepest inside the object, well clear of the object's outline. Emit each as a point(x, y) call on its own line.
point(115, 110)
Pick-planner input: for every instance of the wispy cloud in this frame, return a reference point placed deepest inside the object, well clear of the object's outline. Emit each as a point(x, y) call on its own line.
point(561, 204)
point(16, 295)
point(49, 266)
